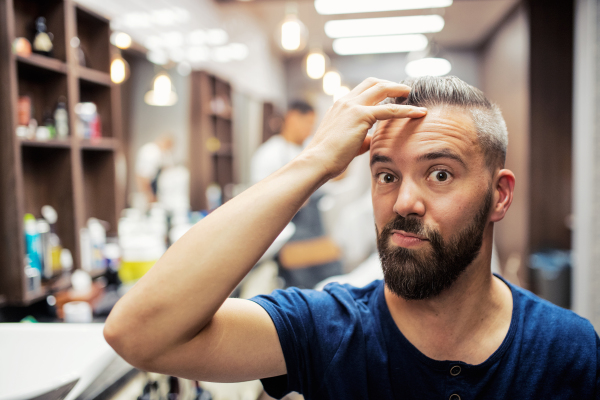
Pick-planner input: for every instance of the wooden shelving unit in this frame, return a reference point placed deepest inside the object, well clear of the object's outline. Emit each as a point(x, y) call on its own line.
point(76, 176)
point(212, 158)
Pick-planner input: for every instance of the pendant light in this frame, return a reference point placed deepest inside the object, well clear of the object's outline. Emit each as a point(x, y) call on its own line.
point(162, 93)
point(291, 33)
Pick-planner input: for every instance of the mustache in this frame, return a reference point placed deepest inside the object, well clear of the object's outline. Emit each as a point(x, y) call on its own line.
point(409, 225)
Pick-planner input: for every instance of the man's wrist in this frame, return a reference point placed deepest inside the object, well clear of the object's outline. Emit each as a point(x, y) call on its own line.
point(314, 168)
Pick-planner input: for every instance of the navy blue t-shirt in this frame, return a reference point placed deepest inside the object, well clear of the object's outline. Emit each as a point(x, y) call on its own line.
point(342, 343)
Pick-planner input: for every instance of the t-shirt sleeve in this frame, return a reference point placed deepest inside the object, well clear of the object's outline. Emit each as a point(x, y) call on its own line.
point(311, 326)
point(597, 367)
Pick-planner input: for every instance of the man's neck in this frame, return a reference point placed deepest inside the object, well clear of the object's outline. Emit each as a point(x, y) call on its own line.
point(467, 322)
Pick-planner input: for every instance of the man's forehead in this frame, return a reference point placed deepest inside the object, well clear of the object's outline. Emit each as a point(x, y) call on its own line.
point(450, 125)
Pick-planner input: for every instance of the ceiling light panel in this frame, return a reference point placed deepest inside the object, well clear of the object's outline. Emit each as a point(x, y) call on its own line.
point(330, 7)
point(380, 44)
point(384, 26)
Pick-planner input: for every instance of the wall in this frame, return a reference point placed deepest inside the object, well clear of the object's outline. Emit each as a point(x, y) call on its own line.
point(586, 164)
point(145, 123)
point(505, 80)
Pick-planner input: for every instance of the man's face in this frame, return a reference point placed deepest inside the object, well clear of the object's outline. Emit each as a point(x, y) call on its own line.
point(432, 195)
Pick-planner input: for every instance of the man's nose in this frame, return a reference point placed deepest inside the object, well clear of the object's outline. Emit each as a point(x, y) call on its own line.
point(409, 200)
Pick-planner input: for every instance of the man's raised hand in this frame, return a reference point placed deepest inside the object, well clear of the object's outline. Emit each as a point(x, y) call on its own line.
point(342, 134)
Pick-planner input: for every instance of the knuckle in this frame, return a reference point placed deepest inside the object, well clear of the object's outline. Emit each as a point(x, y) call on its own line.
point(372, 80)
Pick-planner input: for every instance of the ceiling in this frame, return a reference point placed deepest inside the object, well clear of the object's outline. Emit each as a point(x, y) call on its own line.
point(468, 22)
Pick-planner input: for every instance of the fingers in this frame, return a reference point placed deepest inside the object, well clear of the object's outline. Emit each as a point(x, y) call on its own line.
point(388, 111)
point(381, 91)
point(364, 85)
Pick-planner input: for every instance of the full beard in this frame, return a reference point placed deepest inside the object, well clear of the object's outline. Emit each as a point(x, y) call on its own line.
point(422, 274)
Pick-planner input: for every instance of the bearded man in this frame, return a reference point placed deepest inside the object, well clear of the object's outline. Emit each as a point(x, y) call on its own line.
point(439, 326)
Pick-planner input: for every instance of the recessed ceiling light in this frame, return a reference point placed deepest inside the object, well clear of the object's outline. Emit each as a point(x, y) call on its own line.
point(329, 7)
point(384, 26)
point(379, 44)
point(428, 66)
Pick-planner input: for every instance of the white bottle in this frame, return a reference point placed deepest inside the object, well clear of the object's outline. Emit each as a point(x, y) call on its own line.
point(61, 120)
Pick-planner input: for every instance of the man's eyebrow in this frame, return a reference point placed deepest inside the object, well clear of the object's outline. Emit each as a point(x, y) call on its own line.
point(377, 158)
point(444, 153)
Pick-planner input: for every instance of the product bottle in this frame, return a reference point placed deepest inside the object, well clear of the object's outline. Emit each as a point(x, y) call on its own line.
point(43, 229)
point(42, 43)
point(61, 120)
point(33, 243)
point(55, 252)
point(50, 124)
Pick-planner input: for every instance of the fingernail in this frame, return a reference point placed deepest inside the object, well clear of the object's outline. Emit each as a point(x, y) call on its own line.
point(421, 109)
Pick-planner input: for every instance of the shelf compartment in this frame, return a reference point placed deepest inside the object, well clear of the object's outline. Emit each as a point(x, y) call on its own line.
point(100, 95)
point(223, 130)
point(26, 12)
point(94, 36)
point(223, 169)
point(56, 284)
point(99, 186)
point(47, 180)
point(46, 143)
point(44, 86)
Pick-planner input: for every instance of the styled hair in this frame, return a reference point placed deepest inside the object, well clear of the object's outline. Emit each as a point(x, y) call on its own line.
point(443, 91)
point(301, 106)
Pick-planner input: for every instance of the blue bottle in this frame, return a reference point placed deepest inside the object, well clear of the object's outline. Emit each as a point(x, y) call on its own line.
point(33, 243)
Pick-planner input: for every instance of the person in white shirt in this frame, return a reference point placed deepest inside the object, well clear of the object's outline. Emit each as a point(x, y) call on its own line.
point(152, 158)
point(276, 152)
point(282, 148)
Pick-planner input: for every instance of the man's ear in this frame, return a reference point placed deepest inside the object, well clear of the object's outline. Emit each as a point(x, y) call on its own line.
point(503, 194)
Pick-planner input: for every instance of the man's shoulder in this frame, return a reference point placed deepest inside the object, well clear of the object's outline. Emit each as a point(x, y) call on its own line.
point(546, 324)
point(334, 299)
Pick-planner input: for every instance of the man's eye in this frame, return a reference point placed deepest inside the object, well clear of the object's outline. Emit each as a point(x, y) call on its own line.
point(384, 177)
point(440, 176)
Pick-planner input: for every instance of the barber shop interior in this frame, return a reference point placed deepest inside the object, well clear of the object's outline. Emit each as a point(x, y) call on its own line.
point(299, 199)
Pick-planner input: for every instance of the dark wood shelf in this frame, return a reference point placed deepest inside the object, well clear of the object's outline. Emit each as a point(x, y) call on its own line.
point(210, 99)
point(76, 176)
point(46, 143)
point(43, 62)
point(56, 284)
point(94, 76)
point(99, 144)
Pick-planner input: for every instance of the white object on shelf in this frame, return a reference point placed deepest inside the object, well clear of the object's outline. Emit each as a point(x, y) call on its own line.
point(79, 312)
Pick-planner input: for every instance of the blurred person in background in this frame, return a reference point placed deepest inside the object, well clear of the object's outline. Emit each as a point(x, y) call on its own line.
point(310, 256)
point(151, 159)
point(439, 325)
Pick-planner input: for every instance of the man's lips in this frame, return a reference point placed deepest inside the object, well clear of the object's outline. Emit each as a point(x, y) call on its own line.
point(408, 234)
point(407, 239)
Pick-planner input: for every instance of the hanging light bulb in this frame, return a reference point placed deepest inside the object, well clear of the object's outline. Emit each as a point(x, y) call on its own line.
point(121, 40)
point(162, 93)
point(292, 33)
point(331, 82)
point(316, 63)
point(119, 70)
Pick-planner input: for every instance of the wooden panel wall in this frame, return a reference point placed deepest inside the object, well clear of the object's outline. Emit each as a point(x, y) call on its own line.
point(551, 85)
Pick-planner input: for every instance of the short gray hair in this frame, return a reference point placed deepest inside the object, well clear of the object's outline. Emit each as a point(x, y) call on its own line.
point(435, 91)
